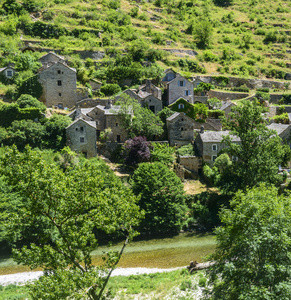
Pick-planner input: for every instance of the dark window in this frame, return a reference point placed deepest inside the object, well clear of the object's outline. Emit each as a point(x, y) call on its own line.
point(98, 133)
point(152, 108)
point(82, 128)
point(9, 73)
point(82, 139)
point(59, 83)
point(60, 94)
point(181, 83)
point(116, 124)
point(76, 129)
point(214, 157)
point(59, 71)
point(118, 138)
point(182, 128)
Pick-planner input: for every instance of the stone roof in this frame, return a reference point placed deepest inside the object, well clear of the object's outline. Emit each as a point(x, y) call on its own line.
point(280, 128)
point(113, 110)
point(90, 123)
point(53, 53)
point(226, 104)
point(173, 116)
point(178, 76)
point(216, 136)
point(49, 65)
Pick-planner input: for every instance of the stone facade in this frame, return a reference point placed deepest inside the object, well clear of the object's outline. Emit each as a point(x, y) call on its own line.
point(180, 87)
point(180, 129)
point(153, 103)
point(59, 85)
point(81, 137)
point(192, 163)
point(209, 144)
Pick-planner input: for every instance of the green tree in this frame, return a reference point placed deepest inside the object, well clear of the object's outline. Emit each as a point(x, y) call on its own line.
point(203, 31)
point(65, 208)
point(25, 101)
point(260, 150)
point(162, 197)
point(200, 111)
point(253, 247)
point(137, 120)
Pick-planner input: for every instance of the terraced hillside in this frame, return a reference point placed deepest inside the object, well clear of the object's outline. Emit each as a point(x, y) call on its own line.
point(138, 39)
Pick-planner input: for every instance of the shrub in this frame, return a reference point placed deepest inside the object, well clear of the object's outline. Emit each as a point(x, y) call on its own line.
point(186, 150)
point(110, 89)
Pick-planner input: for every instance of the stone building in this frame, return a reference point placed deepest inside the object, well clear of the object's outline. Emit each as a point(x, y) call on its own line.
point(81, 137)
point(283, 131)
point(8, 72)
point(179, 87)
point(59, 84)
point(51, 57)
point(226, 107)
point(180, 129)
point(210, 143)
point(105, 117)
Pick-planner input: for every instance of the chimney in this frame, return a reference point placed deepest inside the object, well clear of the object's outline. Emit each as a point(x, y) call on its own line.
point(202, 129)
point(77, 112)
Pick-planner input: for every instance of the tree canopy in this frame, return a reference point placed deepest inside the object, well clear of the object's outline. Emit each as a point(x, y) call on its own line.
point(259, 152)
point(162, 197)
point(65, 209)
point(253, 252)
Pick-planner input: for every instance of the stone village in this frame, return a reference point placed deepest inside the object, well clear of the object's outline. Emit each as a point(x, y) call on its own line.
point(90, 116)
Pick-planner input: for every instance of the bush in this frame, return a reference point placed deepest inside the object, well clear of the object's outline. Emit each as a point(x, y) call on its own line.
point(110, 89)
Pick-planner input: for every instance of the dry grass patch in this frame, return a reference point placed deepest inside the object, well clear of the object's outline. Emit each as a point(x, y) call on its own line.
point(194, 187)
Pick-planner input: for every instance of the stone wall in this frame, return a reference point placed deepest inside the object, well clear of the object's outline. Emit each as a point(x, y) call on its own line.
point(192, 163)
point(226, 95)
point(152, 101)
point(202, 99)
point(114, 122)
point(88, 102)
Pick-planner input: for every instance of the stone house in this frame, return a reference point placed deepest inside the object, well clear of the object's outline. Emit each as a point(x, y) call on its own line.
point(95, 84)
point(226, 107)
point(7, 72)
point(51, 57)
point(59, 83)
point(179, 87)
point(81, 137)
point(104, 117)
point(180, 129)
point(283, 131)
point(169, 76)
point(210, 143)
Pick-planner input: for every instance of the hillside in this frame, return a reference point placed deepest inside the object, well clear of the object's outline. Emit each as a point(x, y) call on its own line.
point(250, 39)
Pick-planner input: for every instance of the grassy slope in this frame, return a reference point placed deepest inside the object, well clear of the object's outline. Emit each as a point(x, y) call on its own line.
point(232, 25)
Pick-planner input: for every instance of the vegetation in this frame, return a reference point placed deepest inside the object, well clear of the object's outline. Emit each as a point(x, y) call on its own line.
point(60, 212)
point(253, 245)
point(162, 198)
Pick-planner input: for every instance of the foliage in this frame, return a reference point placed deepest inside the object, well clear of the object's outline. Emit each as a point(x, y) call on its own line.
point(200, 111)
point(203, 31)
point(143, 122)
point(181, 105)
point(204, 87)
point(110, 89)
point(162, 197)
point(283, 118)
point(162, 152)
point(31, 86)
point(259, 152)
point(136, 150)
point(214, 103)
point(253, 245)
point(26, 101)
point(66, 208)
point(186, 150)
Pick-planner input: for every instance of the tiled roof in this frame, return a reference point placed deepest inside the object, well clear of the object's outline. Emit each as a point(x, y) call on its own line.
point(280, 128)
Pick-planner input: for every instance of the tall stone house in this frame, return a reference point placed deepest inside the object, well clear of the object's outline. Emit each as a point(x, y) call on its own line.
point(59, 83)
point(210, 143)
point(81, 137)
point(179, 87)
point(180, 129)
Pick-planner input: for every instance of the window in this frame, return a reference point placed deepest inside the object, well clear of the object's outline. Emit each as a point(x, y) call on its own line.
point(77, 129)
point(59, 71)
point(9, 73)
point(59, 83)
point(82, 139)
point(214, 157)
point(116, 124)
point(152, 108)
point(180, 106)
point(214, 147)
point(98, 133)
point(82, 128)
point(187, 92)
point(60, 94)
point(181, 83)
point(182, 129)
point(118, 138)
